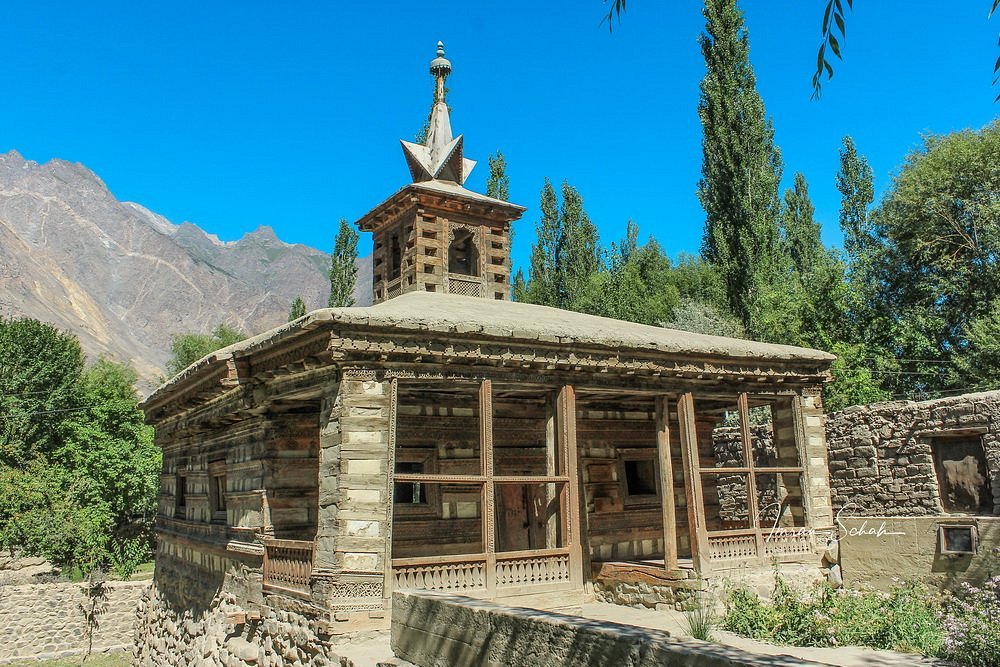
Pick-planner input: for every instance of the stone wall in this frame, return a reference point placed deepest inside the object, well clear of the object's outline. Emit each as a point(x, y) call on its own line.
point(882, 455)
point(47, 620)
point(435, 630)
point(194, 615)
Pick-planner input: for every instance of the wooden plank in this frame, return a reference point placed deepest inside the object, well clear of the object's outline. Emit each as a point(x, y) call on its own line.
point(666, 485)
point(692, 483)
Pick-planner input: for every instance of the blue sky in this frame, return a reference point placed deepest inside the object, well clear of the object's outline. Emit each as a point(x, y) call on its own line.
point(239, 114)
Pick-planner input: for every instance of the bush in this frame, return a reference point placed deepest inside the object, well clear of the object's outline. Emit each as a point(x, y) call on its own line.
point(972, 625)
point(904, 619)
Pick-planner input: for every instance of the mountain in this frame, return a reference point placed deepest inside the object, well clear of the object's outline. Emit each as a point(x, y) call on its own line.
point(124, 279)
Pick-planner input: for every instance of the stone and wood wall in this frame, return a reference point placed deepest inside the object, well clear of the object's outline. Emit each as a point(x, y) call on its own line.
point(900, 472)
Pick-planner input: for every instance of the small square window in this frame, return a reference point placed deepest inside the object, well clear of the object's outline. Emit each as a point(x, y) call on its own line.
point(640, 477)
point(959, 539)
point(409, 493)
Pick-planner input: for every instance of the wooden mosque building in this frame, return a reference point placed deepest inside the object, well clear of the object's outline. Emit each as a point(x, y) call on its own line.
point(446, 438)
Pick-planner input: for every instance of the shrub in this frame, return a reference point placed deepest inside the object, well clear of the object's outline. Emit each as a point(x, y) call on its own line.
point(904, 619)
point(971, 625)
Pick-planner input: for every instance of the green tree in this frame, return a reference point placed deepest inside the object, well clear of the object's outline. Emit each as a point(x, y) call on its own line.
point(78, 470)
point(498, 184)
point(979, 364)
point(297, 310)
point(542, 285)
point(635, 285)
point(39, 369)
point(578, 256)
point(811, 291)
point(741, 167)
point(938, 265)
point(861, 244)
point(185, 349)
point(344, 266)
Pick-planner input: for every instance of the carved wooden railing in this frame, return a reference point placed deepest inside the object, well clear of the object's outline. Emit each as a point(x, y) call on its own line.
point(729, 546)
point(394, 288)
point(443, 573)
point(464, 285)
point(789, 542)
point(288, 564)
point(533, 568)
point(468, 573)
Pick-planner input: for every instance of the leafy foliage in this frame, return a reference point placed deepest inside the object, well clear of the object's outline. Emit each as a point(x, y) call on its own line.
point(566, 254)
point(188, 348)
point(297, 310)
point(833, 22)
point(344, 266)
point(934, 266)
point(78, 471)
point(904, 619)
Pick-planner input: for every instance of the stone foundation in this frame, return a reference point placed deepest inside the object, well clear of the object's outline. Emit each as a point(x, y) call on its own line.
point(192, 616)
point(48, 621)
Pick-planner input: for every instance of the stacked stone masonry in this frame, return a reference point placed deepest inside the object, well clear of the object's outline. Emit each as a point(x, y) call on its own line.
point(882, 455)
point(198, 616)
point(48, 620)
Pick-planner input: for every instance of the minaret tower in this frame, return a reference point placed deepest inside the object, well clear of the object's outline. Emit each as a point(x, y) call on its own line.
point(434, 235)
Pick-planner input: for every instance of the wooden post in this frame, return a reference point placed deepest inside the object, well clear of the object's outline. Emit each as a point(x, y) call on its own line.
point(692, 484)
point(575, 539)
point(754, 512)
point(389, 488)
point(666, 484)
point(489, 488)
point(553, 460)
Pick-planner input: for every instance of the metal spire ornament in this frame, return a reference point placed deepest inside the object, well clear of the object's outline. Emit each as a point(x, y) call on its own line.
point(440, 157)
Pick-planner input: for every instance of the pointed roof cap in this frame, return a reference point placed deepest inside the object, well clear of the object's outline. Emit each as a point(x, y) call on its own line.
point(440, 156)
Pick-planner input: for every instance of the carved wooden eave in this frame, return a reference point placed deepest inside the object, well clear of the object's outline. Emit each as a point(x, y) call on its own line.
point(441, 197)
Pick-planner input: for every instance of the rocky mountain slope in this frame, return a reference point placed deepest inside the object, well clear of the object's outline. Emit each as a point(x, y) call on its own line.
point(124, 279)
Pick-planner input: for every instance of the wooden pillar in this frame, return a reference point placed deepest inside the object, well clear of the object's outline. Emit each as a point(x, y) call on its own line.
point(666, 484)
point(692, 483)
point(489, 487)
point(389, 488)
point(579, 558)
point(553, 460)
point(754, 512)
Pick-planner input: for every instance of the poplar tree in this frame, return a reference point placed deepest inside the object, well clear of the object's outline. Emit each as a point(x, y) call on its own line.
point(741, 167)
point(498, 185)
point(298, 309)
point(578, 256)
point(343, 266)
point(541, 287)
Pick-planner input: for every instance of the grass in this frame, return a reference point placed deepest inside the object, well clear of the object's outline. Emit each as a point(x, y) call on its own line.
point(101, 660)
point(700, 619)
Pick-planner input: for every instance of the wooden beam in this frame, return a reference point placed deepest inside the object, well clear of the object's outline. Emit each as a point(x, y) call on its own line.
point(692, 484)
point(746, 437)
point(576, 531)
point(666, 484)
point(489, 488)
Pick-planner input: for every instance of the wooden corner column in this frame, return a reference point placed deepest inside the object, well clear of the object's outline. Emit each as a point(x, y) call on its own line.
point(692, 483)
point(666, 484)
point(579, 558)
